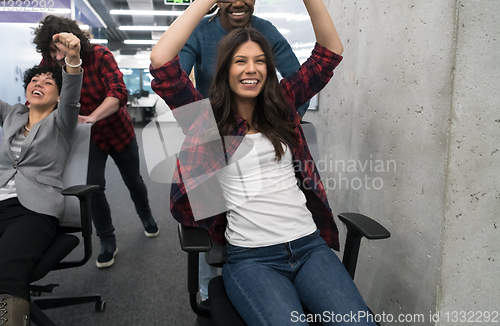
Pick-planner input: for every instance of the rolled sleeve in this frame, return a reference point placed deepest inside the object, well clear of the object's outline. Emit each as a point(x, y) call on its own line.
point(311, 77)
point(172, 84)
point(113, 78)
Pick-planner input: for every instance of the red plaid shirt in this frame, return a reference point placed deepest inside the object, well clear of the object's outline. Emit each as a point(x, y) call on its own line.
point(102, 78)
point(198, 166)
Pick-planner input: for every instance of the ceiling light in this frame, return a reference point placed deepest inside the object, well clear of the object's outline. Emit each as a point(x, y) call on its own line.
point(30, 25)
point(283, 31)
point(146, 12)
point(143, 28)
point(140, 42)
point(287, 16)
point(300, 45)
point(99, 41)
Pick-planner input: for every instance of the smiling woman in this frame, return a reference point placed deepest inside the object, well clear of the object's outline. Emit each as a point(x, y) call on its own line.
point(42, 85)
point(250, 106)
point(267, 228)
point(33, 154)
point(248, 72)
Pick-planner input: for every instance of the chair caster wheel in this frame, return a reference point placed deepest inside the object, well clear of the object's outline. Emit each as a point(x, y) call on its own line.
point(100, 306)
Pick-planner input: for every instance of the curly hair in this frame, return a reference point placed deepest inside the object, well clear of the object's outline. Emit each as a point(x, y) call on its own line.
point(53, 25)
point(271, 113)
point(55, 71)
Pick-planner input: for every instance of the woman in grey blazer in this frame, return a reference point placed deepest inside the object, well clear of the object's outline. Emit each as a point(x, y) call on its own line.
point(33, 151)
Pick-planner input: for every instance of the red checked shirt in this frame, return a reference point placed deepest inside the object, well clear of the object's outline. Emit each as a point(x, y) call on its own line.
point(198, 166)
point(102, 78)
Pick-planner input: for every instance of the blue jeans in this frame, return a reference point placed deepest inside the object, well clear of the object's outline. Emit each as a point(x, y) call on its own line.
point(206, 273)
point(267, 285)
point(127, 162)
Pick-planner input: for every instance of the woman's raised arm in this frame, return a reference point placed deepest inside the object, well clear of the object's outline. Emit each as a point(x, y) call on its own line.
point(174, 38)
point(324, 29)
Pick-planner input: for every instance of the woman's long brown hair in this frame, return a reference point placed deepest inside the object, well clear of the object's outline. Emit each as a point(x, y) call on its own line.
point(271, 115)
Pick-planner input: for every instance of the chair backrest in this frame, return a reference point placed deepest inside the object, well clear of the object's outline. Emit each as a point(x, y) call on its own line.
point(312, 139)
point(75, 173)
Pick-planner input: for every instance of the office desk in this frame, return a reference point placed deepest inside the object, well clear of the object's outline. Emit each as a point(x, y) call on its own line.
point(142, 110)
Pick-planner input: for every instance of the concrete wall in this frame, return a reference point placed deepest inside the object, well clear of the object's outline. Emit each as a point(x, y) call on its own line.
point(470, 271)
point(409, 131)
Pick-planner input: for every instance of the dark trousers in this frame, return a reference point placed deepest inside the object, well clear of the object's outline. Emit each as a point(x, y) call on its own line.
point(24, 237)
point(127, 162)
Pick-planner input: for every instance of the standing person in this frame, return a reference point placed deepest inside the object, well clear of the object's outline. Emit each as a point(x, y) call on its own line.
point(103, 103)
point(278, 237)
point(200, 51)
point(33, 152)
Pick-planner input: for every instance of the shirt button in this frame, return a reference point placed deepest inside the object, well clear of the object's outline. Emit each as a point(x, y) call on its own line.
point(15, 166)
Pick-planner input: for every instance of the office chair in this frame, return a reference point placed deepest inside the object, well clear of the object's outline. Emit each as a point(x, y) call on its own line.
point(195, 240)
point(76, 219)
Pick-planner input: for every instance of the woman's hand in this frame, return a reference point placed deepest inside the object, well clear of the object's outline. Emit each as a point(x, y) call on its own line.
point(172, 41)
point(86, 119)
point(70, 45)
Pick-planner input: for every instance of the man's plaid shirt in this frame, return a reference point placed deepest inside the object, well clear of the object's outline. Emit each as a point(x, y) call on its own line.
point(102, 78)
point(196, 166)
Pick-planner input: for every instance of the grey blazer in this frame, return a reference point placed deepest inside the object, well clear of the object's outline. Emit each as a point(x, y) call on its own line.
point(38, 172)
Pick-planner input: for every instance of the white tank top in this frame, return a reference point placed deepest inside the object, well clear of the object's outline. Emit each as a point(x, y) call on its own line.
point(265, 205)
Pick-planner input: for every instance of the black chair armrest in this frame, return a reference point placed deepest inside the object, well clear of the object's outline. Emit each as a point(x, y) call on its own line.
point(80, 191)
point(364, 226)
point(359, 226)
point(193, 241)
point(83, 193)
point(217, 256)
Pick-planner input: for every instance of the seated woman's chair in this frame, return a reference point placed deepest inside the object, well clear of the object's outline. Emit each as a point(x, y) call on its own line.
point(196, 240)
point(77, 219)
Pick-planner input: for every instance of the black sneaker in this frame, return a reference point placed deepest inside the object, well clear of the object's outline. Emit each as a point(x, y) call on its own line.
point(107, 256)
point(150, 228)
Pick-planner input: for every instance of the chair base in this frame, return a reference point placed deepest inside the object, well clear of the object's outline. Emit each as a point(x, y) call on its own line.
point(37, 304)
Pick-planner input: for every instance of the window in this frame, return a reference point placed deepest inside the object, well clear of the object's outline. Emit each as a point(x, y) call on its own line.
point(137, 81)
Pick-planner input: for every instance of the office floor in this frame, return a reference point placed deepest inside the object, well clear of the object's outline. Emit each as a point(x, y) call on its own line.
point(147, 284)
